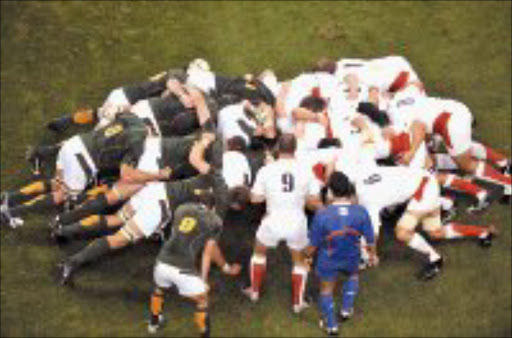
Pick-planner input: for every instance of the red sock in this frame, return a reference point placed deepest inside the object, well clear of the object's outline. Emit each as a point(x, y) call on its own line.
point(456, 230)
point(258, 271)
point(488, 173)
point(466, 186)
point(299, 276)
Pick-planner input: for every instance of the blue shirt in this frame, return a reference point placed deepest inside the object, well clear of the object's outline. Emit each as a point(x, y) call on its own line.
point(336, 233)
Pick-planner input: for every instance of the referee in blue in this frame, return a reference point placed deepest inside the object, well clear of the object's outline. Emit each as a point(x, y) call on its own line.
point(335, 237)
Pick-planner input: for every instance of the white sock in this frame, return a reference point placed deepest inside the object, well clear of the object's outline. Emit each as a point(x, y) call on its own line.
point(419, 244)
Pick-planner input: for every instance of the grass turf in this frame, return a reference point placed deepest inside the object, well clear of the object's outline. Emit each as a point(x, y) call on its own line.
point(56, 56)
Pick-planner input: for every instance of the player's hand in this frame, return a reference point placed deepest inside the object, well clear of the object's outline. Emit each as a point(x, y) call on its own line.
point(373, 261)
point(195, 95)
point(165, 173)
point(234, 269)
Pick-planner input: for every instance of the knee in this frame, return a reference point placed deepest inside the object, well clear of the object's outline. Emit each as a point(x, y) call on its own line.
point(436, 234)
point(402, 234)
point(117, 240)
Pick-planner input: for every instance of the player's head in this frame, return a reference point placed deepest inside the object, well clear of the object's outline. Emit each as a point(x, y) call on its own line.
point(325, 65)
point(339, 186)
point(329, 142)
point(206, 198)
point(238, 198)
point(236, 143)
point(287, 144)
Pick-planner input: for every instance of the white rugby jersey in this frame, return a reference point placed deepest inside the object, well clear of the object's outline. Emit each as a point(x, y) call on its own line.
point(235, 169)
point(286, 184)
point(228, 119)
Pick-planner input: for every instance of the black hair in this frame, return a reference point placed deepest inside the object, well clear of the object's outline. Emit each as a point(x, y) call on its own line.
point(340, 185)
point(314, 103)
point(236, 143)
point(239, 197)
point(328, 142)
point(325, 65)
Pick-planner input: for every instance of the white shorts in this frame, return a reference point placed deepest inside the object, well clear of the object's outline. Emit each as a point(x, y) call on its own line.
point(188, 285)
point(291, 228)
point(459, 133)
point(117, 97)
point(152, 152)
point(427, 196)
point(143, 110)
point(74, 176)
point(151, 208)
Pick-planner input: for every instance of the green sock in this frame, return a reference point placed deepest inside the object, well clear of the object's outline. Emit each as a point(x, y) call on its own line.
point(79, 229)
point(37, 204)
point(91, 252)
point(90, 207)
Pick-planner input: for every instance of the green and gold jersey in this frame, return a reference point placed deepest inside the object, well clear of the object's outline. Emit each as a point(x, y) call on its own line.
point(121, 141)
point(192, 227)
point(189, 190)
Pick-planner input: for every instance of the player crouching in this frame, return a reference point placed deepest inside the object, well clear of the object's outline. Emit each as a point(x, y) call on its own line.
point(195, 232)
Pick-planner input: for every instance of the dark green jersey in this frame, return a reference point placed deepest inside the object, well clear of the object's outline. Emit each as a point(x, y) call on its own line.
point(175, 155)
point(230, 90)
point(121, 141)
point(192, 227)
point(152, 88)
point(188, 190)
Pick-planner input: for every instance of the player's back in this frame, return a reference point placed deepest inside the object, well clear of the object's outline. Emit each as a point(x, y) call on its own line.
point(337, 229)
point(285, 184)
point(193, 225)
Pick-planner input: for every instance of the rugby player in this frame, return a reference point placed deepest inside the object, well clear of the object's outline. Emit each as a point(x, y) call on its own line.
point(287, 187)
point(117, 146)
point(184, 261)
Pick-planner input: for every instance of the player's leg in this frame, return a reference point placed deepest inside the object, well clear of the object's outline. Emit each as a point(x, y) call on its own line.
point(79, 117)
point(459, 144)
point(454, 182)
point(258, 270)
point(424, 202)
point(328, 321)
point(119, 192)
point(26, 193)
point(299, 280)
point(87, 227)
point(405, 232)
point(12, 215)
point(350, 291)
point(129, 233)
point(483, 152)
point(432, 225)
point(202, 315)
point(156, 309)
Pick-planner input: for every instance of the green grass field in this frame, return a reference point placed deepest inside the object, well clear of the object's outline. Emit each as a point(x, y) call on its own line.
point(57, 56)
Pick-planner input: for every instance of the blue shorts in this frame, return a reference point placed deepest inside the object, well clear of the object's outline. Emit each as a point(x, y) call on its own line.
point(328, 271)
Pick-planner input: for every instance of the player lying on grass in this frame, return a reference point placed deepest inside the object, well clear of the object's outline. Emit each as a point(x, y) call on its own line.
point(287, 187)
point(117, 146)
point(184, 261)
point(335, 238)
